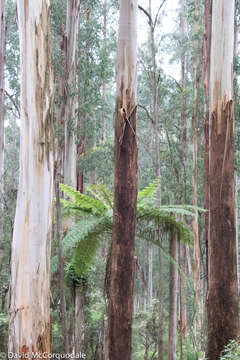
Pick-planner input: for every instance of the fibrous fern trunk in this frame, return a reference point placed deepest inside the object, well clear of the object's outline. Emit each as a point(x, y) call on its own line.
point(125, 188)
point(222, 300)
point(29, 325)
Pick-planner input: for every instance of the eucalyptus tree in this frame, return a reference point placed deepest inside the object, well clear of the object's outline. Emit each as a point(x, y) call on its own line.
point(195, 125)
point(29, 324)
point(222, 300)
point(125, 188)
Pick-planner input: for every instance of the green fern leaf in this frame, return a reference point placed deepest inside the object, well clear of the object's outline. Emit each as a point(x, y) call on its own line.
point(85, 203)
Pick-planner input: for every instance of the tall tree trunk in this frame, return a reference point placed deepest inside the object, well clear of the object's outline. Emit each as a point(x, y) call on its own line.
point(195, 120)
point(206, 61)
point(125, 188)
point(71, 36)
point(161, 304)
point(182, 298)
point(61, 264)
point(182, 247)
point(29, 326)
point(173, 294)
point(2, 116)
point(222, 304)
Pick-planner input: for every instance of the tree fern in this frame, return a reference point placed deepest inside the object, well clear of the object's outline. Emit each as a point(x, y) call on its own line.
point(84, 236)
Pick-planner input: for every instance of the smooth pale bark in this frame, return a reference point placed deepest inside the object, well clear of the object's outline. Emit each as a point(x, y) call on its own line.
point(2, 114)
point(195, 121)
point(173, 296)
point(71, 53)
point(29, 325)
point(222, 300)
point(125, 188)
point(79, 320)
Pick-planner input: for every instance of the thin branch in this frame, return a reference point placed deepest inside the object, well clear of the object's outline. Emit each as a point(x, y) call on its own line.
point(147, 112)
point(13, 102)
point(147, 14)
point(156, 17)
point(177, 83)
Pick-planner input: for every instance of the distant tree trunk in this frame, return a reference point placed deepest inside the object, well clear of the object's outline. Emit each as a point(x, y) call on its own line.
point(206, 62)
point(182, 298)
point(222, 302)
point(150, 268)
point(173, 294)
point(104, 123)
point(195, 120)
point(29, 325)
point(161, 304)
point(79, 319)
point(61, 264)
point(182, 247)
point(71, 49)
point(125, 192)
point(2, 114)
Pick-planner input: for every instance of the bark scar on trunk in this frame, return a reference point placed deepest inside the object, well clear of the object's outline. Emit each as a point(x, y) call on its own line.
point(228, 115)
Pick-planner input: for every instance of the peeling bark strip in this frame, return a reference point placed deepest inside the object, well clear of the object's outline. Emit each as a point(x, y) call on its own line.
point(124, 222)
point(222, 302)
point(29, 325)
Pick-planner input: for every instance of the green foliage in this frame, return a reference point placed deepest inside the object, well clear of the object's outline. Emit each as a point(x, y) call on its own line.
point(84, 203)
point(86, 234)
point(189, 352)
point(145, 329)
point(231, 351)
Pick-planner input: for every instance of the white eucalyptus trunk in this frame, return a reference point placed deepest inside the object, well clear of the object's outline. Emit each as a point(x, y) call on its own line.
point(29, 325)
point(72, 27)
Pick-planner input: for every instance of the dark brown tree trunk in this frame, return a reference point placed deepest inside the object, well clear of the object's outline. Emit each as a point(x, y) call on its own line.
point(125, 189)
point(222, 301)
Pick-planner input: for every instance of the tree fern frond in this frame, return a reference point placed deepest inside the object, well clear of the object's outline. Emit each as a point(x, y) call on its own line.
point(85, 234)
point(84, 202)
point(150, 191)
point(102, 193)
point(166, 222)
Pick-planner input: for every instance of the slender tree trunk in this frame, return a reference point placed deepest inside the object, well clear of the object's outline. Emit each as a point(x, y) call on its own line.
point(222, 302)
point(182, 248)
point(29, 325)
point(124, 222)
point(173, 293)
point(61, 265)
point(206, 62)
point(2, 116)
point(150, 283)
point(161, 305)
point(195, 120)
point(79, 320)
point(182, 298)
